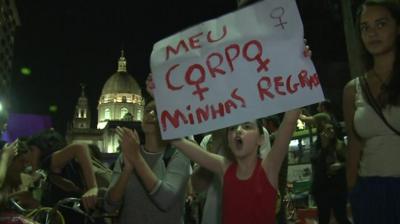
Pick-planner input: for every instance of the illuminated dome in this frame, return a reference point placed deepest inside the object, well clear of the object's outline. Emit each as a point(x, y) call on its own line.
point(120, 95)
point(121, 82)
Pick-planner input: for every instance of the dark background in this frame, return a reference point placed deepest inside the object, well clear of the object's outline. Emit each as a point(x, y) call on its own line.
point(66, 43)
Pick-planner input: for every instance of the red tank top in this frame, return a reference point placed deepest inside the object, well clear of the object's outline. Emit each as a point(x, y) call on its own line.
point(250, 201)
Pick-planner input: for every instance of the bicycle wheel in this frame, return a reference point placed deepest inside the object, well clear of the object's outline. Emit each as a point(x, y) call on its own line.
point(47, 215)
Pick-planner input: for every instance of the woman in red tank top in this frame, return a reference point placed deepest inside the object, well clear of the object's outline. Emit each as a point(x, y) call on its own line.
point(249, 183)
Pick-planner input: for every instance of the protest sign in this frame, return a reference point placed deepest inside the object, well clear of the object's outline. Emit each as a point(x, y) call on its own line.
point(244, 65)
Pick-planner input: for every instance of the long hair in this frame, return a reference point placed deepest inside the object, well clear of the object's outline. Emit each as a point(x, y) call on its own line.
point(48, 142)
point(335, 137)
point(392, 90)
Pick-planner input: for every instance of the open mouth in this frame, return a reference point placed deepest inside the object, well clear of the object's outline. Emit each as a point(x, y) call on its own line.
point(238, 143)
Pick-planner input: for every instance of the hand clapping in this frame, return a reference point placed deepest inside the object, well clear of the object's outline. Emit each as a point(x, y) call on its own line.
point(130, 145)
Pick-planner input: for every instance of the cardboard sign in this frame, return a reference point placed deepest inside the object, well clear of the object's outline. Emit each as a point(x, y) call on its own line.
point(242, 66)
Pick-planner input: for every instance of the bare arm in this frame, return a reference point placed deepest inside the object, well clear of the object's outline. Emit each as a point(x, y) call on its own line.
point(273, 161)
point(81, 153)
point(307, 119)
point(6, 157)
point(354, 141)
point(213, 162)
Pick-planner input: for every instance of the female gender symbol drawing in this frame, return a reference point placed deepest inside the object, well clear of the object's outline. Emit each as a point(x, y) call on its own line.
point(277, 13)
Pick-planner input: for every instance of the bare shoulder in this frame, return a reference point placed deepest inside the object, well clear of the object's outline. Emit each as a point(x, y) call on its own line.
point(350, 85)
point(349, 90)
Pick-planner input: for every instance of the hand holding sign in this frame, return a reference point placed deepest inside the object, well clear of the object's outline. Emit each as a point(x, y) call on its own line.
point(226, 71)
point(307, 50)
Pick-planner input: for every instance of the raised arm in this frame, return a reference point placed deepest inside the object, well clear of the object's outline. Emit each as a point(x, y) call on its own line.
point(213, 162)
point(273, 161)
point(6, 156)
point(354, 141)
point(81, 153)
point(307, 119)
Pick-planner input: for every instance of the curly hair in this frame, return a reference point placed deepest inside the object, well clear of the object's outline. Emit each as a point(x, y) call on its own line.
point(48, 142)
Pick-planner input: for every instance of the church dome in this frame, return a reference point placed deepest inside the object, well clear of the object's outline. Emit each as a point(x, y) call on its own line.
point(121, 82)
point(120, 95)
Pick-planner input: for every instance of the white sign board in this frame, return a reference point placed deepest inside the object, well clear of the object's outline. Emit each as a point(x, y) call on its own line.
point(244, 65)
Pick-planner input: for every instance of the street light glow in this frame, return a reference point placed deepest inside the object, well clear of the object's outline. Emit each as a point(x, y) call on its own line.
point(53, 108)
point(26, 71)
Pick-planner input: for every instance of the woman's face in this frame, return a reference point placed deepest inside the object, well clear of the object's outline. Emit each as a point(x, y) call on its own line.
point(379, 30)
point(244, 139)
point(328, 132)
point(150, 122)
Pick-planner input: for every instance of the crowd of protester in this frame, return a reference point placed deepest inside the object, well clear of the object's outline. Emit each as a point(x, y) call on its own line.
point(237, 174)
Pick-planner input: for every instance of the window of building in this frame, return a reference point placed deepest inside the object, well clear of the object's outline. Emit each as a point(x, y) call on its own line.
point(82, 114)
point(107, 114)
point(124, 111)
point(139, 114)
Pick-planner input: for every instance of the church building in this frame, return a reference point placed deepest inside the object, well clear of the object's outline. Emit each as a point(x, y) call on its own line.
point(120, 104)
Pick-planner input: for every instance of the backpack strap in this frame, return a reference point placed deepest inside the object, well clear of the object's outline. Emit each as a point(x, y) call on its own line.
point(374, 104)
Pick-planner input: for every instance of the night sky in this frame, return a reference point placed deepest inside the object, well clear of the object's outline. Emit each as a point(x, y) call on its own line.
point(66, 43)
point(72, 42)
